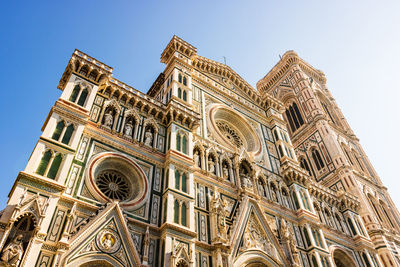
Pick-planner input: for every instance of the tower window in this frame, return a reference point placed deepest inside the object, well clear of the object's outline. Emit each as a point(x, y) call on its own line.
point(79, 94)
point(179, 92)
point(184, 80)
point(319, 163)
point(49, 159)
point(294, 117)
point(180, 181)
point(184, 97)
point(181, 143)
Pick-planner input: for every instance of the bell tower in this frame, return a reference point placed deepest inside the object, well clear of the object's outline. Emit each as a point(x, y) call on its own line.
point(327, 147)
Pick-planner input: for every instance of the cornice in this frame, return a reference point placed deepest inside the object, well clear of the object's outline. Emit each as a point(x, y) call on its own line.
point(288, 59)
point(177, 44)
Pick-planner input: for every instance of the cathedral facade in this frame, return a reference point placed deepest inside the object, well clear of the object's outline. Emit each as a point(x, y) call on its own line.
point(203, 170)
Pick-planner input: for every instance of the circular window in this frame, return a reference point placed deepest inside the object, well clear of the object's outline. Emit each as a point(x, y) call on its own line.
point(113, 184)
point(112, 176)
point(232, 129)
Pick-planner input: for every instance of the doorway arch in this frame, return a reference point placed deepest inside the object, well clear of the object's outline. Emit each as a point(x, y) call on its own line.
point(342, 259)
point(95, 260)
point(255, 258)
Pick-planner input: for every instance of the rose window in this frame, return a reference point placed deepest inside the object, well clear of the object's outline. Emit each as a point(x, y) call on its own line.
point(230, 134)
point(113, 184)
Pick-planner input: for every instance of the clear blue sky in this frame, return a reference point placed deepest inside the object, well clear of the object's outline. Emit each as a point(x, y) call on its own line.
point(356, 44)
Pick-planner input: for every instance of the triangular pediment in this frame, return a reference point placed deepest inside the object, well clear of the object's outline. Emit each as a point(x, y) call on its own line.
point(105, 236)
point(252, 234)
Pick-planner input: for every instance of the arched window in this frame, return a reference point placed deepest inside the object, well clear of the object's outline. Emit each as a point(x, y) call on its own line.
point(317, 237)
point(372, 202)
point(184, 80)
point(304, 165)
point(180, 78)
point(184, 95)
point(74, 94)
point(93, 75)
point(384, 209)
point(179, 92)
point(327, 111)
point(317, 159)
point(184, 183)
point(178, 142)
point(59, 128)
point(54, 166)
point(176, 211)
point(294, 117)
point(304, 199)
point(281, 154)
point(365, 258)
point(296, 201)
point(306, 236)
point(177, 180)
point(353, 230)
point(44, 162)
point(68, 134)
point(358, 161)
point(184, 144)
point(183, 214)
point(83, 71)
point(82, 97)
point(314, 261)
point(339, 222)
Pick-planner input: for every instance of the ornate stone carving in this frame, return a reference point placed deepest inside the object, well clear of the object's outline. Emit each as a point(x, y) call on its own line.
point(108, 241)
point(12, 253)
point(108, 119)
point(230, 134)
point(218, 207)
point(148, 141)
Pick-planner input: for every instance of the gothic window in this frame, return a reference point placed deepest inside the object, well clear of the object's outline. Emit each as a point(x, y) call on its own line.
point(365, 258)
point(181, 181)
point(281, 154)
point(181, 143)
point(79, 94)
point(351, 225)
point(327, 111)
point(176, 211)
point(306, 236)
point(317, 237)
point(74, 94)
point(360, 166)
point(296, 201)
point(359, 226)
point(339, 222)
point(183, 214)
point(348, 156)
point(55, 165)
point(49, 164)
point(83, 71)
point(304, 199)
point(319, 163)
point(372, 202)
point(294, 117)
point(324, 261)
point(304, 165)
point(179, 92)
point(184, 80)
point(82, 97)
point(184, 95)
point(44, 162)
point(180, 78)
point(314, 261)
point(93, 75)
point(67, 134)
point(59, 128)
point(384, 209)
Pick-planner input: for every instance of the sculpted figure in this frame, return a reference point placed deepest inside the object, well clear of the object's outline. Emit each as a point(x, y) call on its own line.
point(128, 128)
point(245, 178)
point(196, 158)
point(108, 119)
point(107, 242)
point(148, 138)
point(225, 171)
point(12, 253)
point(211, 165)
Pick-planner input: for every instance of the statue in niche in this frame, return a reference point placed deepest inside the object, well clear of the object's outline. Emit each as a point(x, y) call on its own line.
point(196, 158)
point(128, 128)
point(288, 239)
point(12, 253)
point(146, 244)
point(211, 165)
point(218, 206)
point(261, 187)
point(148, 141)
point(244, 175)
point(108, 119)
point(225, 171)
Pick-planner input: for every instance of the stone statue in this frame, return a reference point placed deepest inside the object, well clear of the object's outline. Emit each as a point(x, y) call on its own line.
point(211, 166)
point(261, 188)
point(196, 158)
point(148, 137)
point(225, 171)
point(128, 128)
point(245, 178)
point(146, 244)
point(108, 119)
point(218, 206)
point(12, 253)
